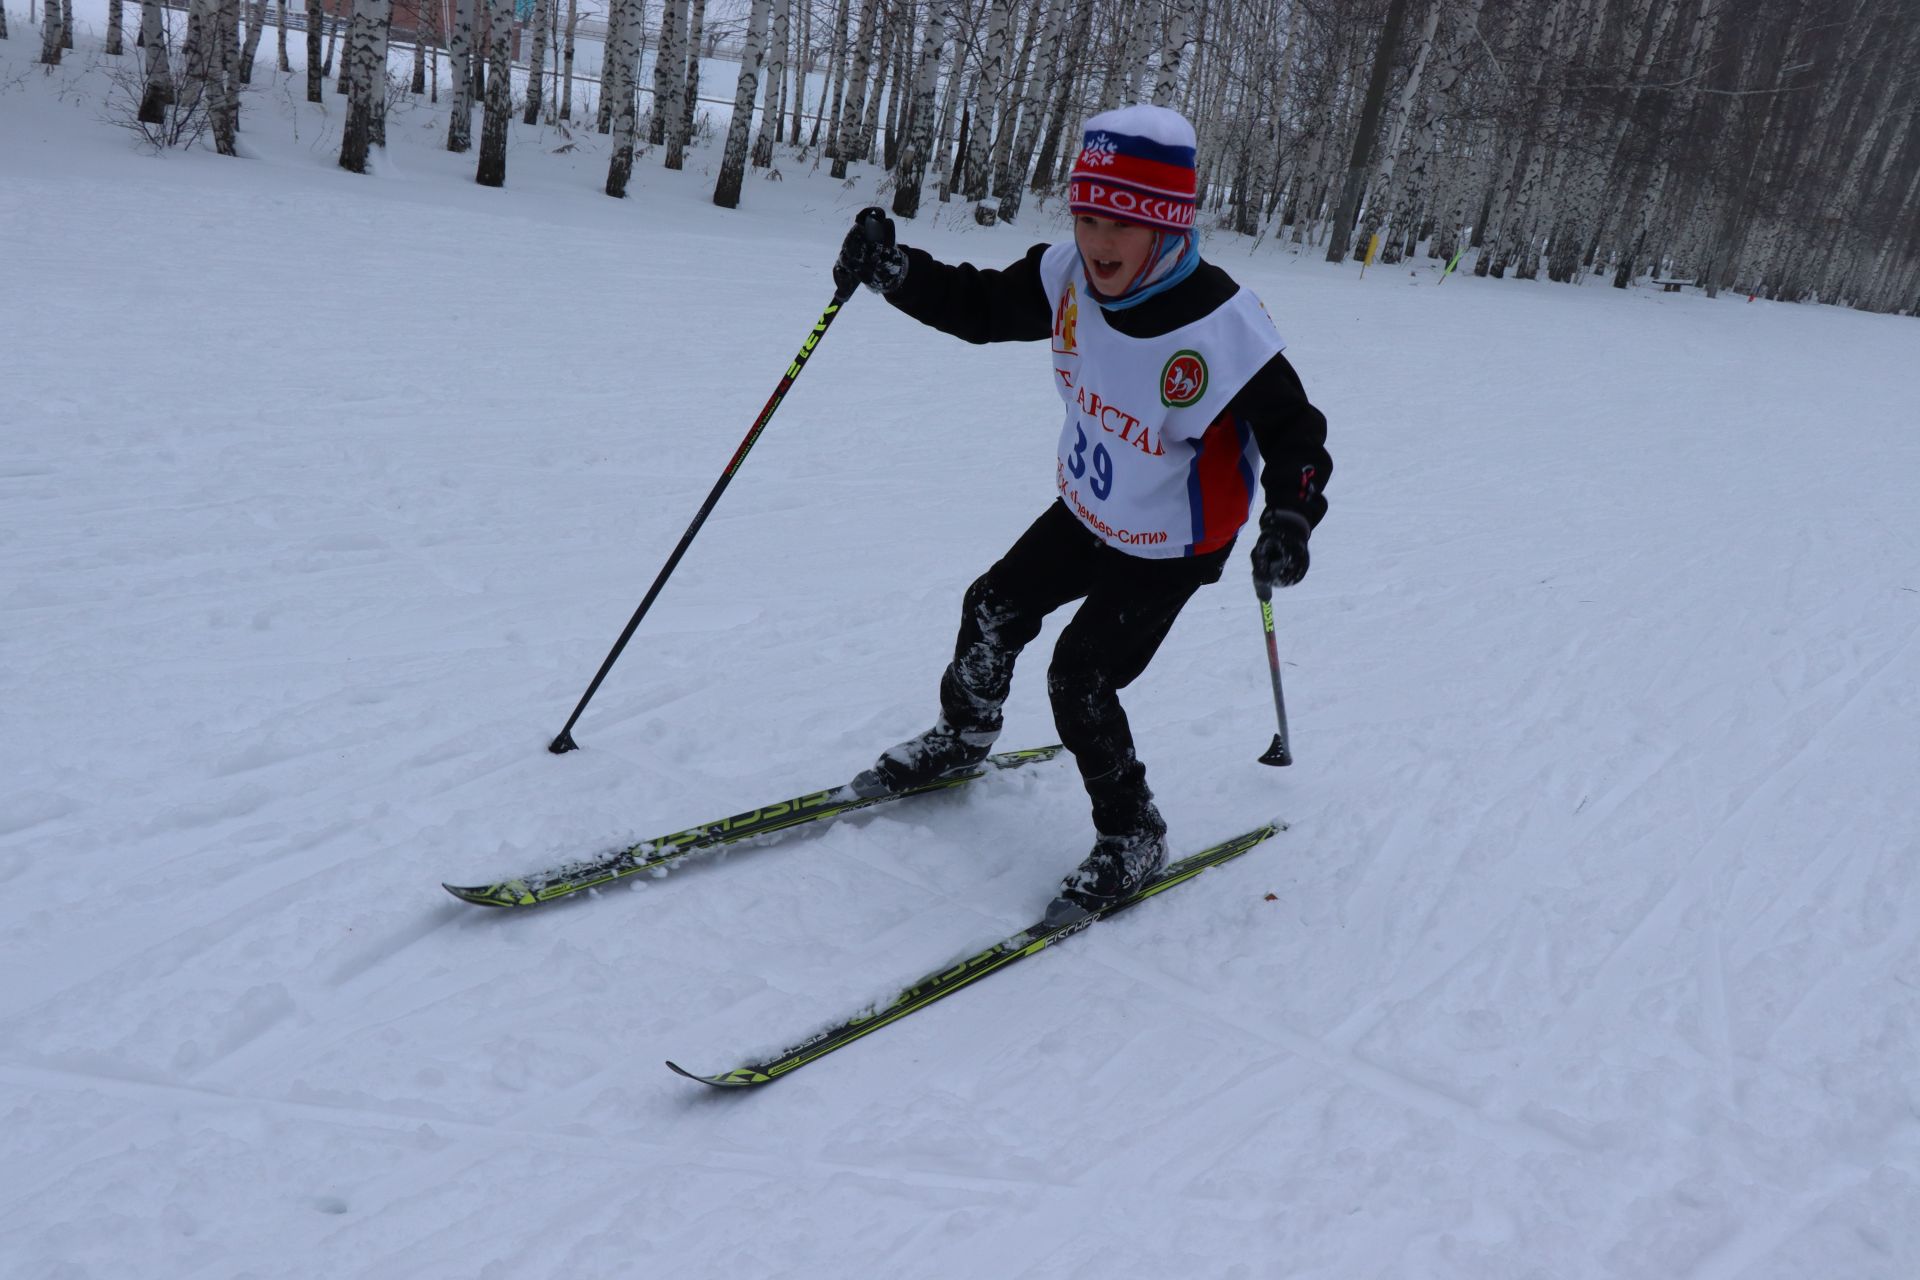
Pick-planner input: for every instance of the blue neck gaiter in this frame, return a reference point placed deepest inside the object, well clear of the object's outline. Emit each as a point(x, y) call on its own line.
point(1175, 256)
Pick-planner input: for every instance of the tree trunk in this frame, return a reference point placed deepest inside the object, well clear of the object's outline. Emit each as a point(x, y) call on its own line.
point(836, 85)
point(1179, 34)
point(536, 63)
point(1012, 183)
point(846, 134)
point(196, 54)
point(363, 42)
point(460, 55)
point(53, 29)
point(497, 119)
point(992, 67)
point(316, 76)
point(690, 94)
point(802, 67)
point(1057, 115)
point(566, 58)
point(669, 69)
point(116, 18)
point(914, 154)
point(888, 36)
point(224, 105)
point(256, 27)
point(622, 67)
point(733, 163)
point(1381, 196)
point(157, 93)
point(775, 61)
point(1363, 140)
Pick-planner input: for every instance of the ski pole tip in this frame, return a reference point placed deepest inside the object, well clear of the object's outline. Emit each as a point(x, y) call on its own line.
point(1278, 754)
point(563, 744)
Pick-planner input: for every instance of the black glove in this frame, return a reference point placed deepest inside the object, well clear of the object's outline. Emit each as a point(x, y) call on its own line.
point(869, 256)
point(1280, 555)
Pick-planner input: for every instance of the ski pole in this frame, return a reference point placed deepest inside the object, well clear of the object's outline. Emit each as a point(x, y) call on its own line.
point(1279, 753)
point(564, 741)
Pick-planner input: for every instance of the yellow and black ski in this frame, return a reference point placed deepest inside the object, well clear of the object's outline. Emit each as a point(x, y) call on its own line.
point(661, 851)
point(1061, 923)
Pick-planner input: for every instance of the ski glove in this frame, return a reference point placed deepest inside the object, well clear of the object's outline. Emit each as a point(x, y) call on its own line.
point(869, 256)
point(1280, 554)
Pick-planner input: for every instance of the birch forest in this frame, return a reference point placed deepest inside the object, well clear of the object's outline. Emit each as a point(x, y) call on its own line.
point(1763, 146)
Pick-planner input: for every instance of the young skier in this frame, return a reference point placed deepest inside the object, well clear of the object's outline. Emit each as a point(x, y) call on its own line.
point(1172, 378)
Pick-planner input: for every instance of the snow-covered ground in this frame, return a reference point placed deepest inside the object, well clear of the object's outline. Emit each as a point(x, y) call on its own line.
point(1593, 949)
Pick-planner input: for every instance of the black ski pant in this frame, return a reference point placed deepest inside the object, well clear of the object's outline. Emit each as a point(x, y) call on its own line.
point(1130, 605)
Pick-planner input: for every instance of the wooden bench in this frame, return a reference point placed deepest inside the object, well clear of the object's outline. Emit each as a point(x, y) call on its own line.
point(1671, 286)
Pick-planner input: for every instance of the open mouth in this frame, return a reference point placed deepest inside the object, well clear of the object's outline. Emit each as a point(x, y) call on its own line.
point(1105, 268)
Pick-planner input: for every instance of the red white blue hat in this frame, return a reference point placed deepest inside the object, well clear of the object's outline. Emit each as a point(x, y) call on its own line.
point(1136, 165)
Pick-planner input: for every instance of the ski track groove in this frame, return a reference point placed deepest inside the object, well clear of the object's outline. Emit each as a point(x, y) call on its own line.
point(1850, 971)
point(1748, 1245)
point(1718, 1022)
point(619, 1150)
point(1691, 882)
point(1344, 1063)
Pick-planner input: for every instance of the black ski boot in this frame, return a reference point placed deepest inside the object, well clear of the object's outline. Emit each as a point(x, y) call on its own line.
point(939, 752)
point(1130, 850)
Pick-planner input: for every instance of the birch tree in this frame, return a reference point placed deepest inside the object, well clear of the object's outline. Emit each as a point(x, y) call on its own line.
point(622, 68)
point(1057, 143)
point(847, 140)
point(223, 106)
point(566, 60)
point(1363, 138)
point(993, 65)
point(536, 63)
point(53, 30)
point(892, 22)
point(497, 118)
point(1010, 183)
point(733, 163)
point(1180, 19)
point(690, 92)
point(1381, 196)
point(156, 94)
point(256, 27)
point(363, 47)
point(460, 53)
point(775, 62)
point(918, 147)
point(316, 76)
point(669, 70)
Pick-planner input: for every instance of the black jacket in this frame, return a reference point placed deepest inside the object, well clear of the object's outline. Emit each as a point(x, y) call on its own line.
point(1011, 306)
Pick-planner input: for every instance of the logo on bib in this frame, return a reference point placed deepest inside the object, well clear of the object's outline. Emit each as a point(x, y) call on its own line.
point(1066, 324)
point(1184, 380)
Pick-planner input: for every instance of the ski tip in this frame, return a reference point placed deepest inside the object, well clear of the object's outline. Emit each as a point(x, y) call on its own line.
point(743, 1078)
point(493, 895)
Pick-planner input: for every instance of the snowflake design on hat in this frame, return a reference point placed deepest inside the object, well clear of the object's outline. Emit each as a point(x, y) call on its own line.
point(1099, 151)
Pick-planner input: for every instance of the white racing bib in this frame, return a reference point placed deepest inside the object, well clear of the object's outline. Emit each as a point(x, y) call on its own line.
point(1149, 459)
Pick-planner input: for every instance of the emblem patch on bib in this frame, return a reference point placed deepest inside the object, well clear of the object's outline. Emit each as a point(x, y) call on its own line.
point(1184, 380)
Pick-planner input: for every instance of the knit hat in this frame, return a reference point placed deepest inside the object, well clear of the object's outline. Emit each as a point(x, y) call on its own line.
point(1136, 165)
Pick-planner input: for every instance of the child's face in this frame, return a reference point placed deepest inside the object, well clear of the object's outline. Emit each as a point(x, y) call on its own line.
point(1114, 252)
